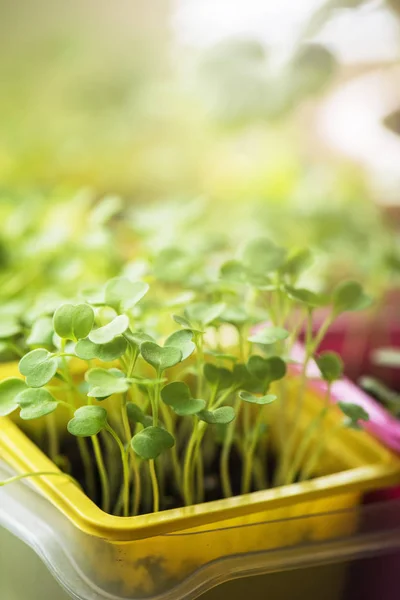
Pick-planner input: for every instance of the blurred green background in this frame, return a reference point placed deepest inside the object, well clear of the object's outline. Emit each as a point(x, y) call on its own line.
point(190, 119)
point(230, 119)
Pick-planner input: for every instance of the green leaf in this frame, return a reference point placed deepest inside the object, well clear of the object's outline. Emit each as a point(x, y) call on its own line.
point(261, 256)
point(247, 397)
point(354, 414)
point(218, 376)
point(234, 315)
point(173, 265)
point(9, 390)
point(42, 332)
point(38, 366)
point(181, 299)
point(88, 421)
point(135, 338)
point(331, 366)
point(73, 322)
point(9, 326)
point(183, 341)
point(233, 271)
point(182, 321)
point(122, 294)
point(95, 296)
point(305, 296)
point(297, 262)
point(87, 350)
point(106, 334)
point(151, 442)
point(219, 416)
point(387, 357)
point(269, 335)
point(136, 415)
point(35, 403)
point(261, 282)
point(177, 395)
point(105, 382)
point(158, 357)
point(240, 375)
point(349, 296)
point(204, 313)
point(268, 369)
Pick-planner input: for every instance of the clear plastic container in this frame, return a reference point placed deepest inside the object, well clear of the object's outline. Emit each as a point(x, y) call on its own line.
point(180, 553)
point(330, 568)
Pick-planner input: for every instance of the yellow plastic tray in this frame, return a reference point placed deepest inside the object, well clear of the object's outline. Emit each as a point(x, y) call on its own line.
point(144, 555)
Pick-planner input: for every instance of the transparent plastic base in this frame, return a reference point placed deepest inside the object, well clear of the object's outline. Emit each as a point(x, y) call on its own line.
point(310, 570)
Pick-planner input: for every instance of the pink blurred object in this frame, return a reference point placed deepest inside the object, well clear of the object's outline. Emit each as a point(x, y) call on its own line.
point(381, 424)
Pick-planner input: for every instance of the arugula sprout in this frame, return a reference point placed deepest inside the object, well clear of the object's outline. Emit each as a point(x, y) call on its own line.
point(170, 401)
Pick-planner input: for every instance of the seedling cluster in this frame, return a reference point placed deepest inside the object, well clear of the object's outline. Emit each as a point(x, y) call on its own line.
point(178, 387)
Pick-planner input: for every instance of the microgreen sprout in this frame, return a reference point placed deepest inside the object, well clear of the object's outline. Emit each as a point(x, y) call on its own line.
point(181, 395)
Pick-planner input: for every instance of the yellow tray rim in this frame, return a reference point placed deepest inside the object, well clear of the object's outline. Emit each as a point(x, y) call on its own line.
point(24, 456)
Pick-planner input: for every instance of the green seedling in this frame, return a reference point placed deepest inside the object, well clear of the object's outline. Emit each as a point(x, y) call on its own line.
point(170, 402)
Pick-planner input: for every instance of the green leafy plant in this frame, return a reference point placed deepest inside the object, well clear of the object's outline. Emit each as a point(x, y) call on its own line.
point(173, 416)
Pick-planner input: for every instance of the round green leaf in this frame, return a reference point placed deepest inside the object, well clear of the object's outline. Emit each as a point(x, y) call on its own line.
point(73, 322)
point(136, 415)
point(331, 366)
point(262, 256)
point(35, 403)
point(277, 368)
point(177, 395)
point(235, 315)
point(219, 416)
point(233, 271)
point(87, 350)
point(123, 294)
point(261, 282)
point(94, 296)
point(354, 414)
point(266, 369)
point(240, 375)
point(106, 334)
point(105, 382)
point(247, 397)
point(349, 296)
point(204, 313)
point(42, 332)
point(38, 366)
point(305, 296)
point(173, 265)
point(135, 338)
point(297, 262)
point(87, 421)
point(151, 442)
point(182, 321)
point(62, 321)
point(158, 357)
point(183, 341)
point(9, 326)
point(218, 376)
point(9, 390)
point(269, 335)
